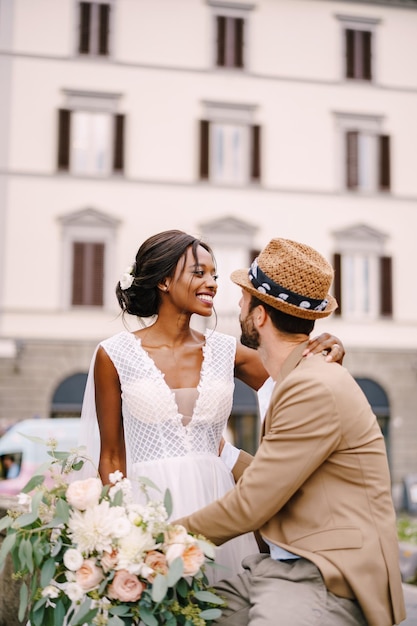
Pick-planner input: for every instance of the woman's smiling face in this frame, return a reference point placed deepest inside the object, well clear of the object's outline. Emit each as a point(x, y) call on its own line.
point(193, 285)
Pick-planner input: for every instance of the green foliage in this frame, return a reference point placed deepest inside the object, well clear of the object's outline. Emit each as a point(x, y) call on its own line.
point(38, 536)
point(407, 529)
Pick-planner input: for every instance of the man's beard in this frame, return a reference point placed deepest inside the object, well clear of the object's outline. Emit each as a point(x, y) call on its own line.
point(249, 336)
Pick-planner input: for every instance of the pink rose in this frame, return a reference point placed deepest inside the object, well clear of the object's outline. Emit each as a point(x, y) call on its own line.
point(125, 587)
point(193, 558)
point(89, 575)
point(84, 493)
point(157, 562)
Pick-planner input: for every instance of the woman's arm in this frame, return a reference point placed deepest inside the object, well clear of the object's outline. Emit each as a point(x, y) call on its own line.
point(109, 416)
point(249, 367)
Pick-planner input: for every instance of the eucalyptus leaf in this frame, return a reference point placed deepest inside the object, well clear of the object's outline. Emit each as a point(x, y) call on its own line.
point(33, 438)
point(47, 572)
point(7, 545)
point(207, 547)
point(36, 617)
point(39, 603)
point(83, 614)
point(207, 596)
point(182, 588)
point(210, 614)
point(120, 609)
point(59, 613)
point(34, 482)
point(175, 572)
point(159, 588)
point(57, 454)
point(62, 510)
point(148, 482)
point(115, 621)
point(26, 519)
point(147, 617)
point(23, 601)
point(36, 500)
point(25, 553)
point(5, 522)
point(117, 498)
point(168, 502)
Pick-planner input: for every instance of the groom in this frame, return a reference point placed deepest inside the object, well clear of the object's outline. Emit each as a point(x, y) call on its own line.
point(318, 488)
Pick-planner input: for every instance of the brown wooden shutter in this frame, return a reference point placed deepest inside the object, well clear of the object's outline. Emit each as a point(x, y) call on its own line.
point(204, 149)
point(85, 25)
point(352, 178)
point(104, 22)
point(118, 150)
point(337, 281)
point(366, 55)
point(350, 52)
point(78, 273)
point(64, 130)
point(384, 163)
point(256, 153)
point(386, 286)
point(221, 41)
point(88, 274)
point(97, 274)
point(239, 24)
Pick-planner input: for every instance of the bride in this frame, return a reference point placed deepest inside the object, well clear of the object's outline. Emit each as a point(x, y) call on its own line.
point(161, 396)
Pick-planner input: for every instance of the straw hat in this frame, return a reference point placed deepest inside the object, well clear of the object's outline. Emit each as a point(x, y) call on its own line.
point(291, 277)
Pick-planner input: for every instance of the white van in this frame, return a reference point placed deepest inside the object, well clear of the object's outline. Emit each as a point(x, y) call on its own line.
point(20, 457)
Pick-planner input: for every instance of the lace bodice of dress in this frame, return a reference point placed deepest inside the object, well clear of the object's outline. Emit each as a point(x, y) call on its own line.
point(153, 425)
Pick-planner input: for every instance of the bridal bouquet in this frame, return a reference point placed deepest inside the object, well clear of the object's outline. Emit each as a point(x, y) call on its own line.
point(87, 554)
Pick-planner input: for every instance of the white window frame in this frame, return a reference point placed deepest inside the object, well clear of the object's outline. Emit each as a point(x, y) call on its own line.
point(370, 126)
point(358, 23)
point(88, 226)
point(236, 10)
point(233, 115)
point(93, 103)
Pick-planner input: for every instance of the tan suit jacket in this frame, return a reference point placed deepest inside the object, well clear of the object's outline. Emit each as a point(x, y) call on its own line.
point(319, 486)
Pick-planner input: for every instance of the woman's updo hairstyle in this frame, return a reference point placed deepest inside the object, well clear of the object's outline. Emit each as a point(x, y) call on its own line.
point(156, 259)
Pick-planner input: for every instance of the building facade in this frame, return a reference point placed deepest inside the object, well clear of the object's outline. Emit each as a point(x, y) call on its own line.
point(235, 121)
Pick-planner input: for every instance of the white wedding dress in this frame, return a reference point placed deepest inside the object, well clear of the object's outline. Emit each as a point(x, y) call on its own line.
point(176, 451)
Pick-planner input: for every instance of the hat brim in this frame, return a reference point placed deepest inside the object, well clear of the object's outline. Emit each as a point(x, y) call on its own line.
point(240, 277)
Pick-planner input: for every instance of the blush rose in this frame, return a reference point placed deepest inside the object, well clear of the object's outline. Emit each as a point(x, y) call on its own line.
point(89, 575)
point(126, 587)
point(157, 562)
point(193, 558)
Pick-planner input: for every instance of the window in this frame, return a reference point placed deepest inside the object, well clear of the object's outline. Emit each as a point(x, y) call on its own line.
point(229, 42)
point(358, 53)
point(94, 25)
point(87, 273)
point(365, 153)
point(363, 274)
point(230, 22)
point(358, 35)
point(88, 254)
point(230, 144)
point(91, 135)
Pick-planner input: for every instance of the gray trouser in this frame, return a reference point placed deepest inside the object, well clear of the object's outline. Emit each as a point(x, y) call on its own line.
point(280, 593)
